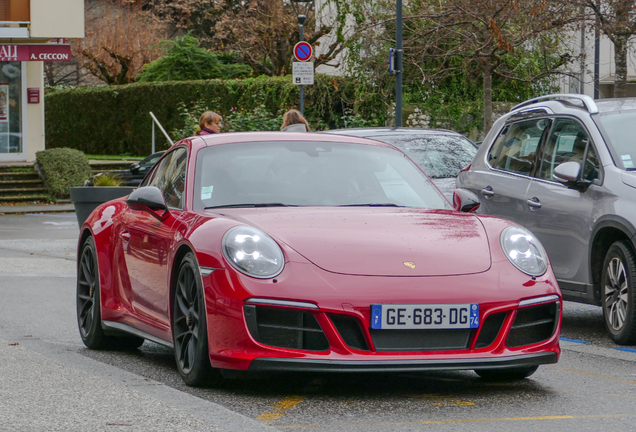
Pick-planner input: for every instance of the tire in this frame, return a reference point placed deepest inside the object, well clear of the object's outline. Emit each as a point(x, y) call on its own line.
point(512, 374)
point(89, 317)
point(617, 292)
point(189, 327)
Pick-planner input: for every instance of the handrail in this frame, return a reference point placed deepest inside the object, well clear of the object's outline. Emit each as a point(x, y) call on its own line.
point(154, 119)
point(588, 102)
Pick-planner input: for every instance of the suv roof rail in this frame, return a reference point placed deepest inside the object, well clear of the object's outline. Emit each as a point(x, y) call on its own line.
point(588, 102)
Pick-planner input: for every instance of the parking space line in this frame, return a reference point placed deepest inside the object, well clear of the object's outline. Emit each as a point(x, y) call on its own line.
point(280, 409)
point(438, 422)
point(573, 340)
point(593, 375)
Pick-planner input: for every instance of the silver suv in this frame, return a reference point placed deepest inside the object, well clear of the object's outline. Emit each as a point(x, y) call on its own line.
point(564, 166)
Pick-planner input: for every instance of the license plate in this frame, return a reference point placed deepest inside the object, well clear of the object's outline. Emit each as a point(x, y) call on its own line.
point(429, 316)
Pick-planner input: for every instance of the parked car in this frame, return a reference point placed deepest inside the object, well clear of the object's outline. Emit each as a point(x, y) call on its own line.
point(137, 171)
point(564, 167)
point(281, 251)
point(440, 153)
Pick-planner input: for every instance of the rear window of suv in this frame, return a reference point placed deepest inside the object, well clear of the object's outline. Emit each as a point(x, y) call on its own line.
point(618, 131)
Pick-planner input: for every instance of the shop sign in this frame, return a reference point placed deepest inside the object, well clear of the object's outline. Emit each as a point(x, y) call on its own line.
point(33, 95)
point(33, 52)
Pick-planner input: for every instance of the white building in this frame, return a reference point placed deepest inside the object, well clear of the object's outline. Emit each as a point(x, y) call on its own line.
point(29, 34)
point(595, 76)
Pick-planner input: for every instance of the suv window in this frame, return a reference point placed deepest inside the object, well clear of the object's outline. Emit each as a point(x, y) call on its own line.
point(568, 142)
point(517, 150)
point(170, 176)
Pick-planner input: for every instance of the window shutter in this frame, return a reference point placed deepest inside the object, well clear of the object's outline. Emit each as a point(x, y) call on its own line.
point(4, 10)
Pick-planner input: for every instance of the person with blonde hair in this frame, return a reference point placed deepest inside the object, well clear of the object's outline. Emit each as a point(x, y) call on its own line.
point(210, 123)
point(293, 121)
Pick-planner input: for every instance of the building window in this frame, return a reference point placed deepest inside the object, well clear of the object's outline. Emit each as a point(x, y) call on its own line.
point(10, 107)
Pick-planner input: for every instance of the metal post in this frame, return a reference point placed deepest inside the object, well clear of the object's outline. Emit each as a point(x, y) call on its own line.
point(153, 138)
point(596, 60)
point(398, 64)
point(302, 90)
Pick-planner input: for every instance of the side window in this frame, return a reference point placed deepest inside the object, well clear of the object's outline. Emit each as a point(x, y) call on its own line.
point(495, 150)
point(520, 145)
point(170, 177)
point(568, 141)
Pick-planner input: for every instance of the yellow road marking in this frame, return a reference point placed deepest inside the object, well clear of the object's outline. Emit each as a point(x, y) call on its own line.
point(433, 422)
point(594, 375)
point(280, 409)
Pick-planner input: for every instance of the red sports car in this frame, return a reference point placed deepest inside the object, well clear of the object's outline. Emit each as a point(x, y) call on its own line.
point(312, 252)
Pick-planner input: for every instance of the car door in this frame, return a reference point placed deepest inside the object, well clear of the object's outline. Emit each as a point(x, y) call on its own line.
point(148, 240)
point(503, 182)
point(560, 216)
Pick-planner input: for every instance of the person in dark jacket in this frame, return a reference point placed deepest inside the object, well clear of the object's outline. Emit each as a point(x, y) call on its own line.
point(293, 121)
point(210, 123)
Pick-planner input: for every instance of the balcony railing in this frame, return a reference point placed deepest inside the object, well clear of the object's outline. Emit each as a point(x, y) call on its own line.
point(14, 29)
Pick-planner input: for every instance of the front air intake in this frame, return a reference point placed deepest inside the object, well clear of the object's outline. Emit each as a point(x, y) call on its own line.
point(285, 328)
point(534, 324)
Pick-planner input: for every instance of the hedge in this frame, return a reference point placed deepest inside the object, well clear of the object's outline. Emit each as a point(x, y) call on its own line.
point(114, 119)
point(62, 169)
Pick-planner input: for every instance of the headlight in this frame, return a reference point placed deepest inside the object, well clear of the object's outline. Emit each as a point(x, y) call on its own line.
point(253, 252)
point(524, 251)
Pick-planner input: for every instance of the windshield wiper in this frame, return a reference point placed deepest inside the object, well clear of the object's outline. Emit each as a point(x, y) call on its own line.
point(250, 205)
point(372, 205)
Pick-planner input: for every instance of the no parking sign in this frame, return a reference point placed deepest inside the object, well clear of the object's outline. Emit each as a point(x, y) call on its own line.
point(303, 51)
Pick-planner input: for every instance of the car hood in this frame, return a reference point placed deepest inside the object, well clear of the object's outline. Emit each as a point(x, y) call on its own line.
point(378, 241)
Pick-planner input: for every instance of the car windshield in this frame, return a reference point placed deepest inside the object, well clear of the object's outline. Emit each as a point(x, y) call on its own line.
point(439, 156)
point(309, 173)
point(618, 131)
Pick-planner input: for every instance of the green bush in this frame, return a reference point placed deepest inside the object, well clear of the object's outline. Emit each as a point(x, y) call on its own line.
point(115, 120)
point(186, 60)
point(62, 169)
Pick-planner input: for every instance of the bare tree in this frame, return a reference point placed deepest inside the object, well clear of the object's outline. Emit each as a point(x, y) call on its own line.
point(262, 32)
point(486, 32)
point(119, 41)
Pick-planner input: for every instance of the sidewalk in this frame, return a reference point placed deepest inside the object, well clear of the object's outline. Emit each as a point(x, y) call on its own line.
point(37, 208)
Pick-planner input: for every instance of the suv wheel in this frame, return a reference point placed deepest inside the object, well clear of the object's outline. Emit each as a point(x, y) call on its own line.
point(618, 282)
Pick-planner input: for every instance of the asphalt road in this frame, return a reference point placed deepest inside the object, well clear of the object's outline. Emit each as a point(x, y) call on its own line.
point(49, 381)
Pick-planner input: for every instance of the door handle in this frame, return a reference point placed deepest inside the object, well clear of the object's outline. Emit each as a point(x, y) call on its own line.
point(488, 192)
point(125, 235)
point(534, 203)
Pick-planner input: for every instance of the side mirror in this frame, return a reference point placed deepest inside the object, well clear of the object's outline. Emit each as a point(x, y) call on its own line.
point(134, 168)
point(465, 201)
point(150, 199)
point(567, 172)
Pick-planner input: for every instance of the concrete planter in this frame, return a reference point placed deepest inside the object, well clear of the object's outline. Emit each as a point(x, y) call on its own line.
point(86, 198)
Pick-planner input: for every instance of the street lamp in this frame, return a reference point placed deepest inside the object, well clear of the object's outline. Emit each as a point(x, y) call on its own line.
point(302, 9)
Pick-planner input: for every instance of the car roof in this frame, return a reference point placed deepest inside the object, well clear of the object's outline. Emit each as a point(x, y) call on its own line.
point(246, 137)
point(380, 131)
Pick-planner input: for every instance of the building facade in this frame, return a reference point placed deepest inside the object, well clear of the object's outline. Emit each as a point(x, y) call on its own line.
point(30, 32)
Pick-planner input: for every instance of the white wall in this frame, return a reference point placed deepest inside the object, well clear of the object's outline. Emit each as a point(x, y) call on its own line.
point(35, 112)
point(57, 18)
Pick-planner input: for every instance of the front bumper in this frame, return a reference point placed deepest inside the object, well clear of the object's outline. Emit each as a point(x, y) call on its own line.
point(308, 365)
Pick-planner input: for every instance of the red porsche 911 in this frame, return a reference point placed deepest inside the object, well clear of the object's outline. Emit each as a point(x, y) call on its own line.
point(312, 252)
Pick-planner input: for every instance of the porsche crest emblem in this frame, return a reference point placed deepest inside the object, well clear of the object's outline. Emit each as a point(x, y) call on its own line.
point(409, 264)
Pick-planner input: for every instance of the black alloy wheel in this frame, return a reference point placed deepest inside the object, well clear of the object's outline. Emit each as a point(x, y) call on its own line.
point(189, 326)
point(88, 313)
point(617, 292)
point(89, 319)
point(511, 374)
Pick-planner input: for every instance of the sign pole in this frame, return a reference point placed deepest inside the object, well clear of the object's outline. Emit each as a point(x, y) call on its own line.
point(302, 90)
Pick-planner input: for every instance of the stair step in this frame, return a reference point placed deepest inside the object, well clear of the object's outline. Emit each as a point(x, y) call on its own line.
point(21, 181)
point(22, 191)
point(16, 167)
point(24, 198)
point(19, 175)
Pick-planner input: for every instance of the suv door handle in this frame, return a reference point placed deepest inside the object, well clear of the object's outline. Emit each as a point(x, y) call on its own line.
point(488, 192)
point(534, 203)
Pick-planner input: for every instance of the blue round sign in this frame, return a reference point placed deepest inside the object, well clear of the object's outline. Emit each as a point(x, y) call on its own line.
point(303, 51)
